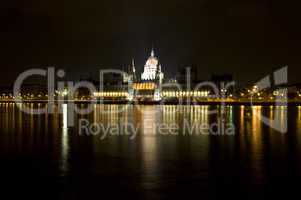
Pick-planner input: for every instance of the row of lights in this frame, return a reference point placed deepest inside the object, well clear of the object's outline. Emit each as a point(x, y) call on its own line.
point(252, 92)
point(185, 94)
point(62, 93)
point(110, 94)
point(255, 92)
point(25, 96)
point(144, 86)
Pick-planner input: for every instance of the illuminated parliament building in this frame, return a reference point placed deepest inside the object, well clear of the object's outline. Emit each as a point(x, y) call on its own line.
point(148, 86)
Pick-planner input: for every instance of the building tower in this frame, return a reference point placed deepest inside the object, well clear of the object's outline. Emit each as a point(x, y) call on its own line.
point(133, 70)
point(150, 68)
point(130, 78)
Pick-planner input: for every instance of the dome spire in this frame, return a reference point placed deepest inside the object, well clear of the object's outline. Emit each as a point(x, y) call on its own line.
point(153, 52)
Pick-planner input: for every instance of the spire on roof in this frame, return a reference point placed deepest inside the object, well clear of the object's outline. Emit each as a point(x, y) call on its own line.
point(153, 52)
point(133, 66)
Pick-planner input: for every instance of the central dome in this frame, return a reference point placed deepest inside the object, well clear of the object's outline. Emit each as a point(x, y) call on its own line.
point(152, 60)
point(151, 67)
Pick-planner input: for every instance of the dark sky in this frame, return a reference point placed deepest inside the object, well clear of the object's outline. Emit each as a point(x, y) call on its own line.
point(246, 38)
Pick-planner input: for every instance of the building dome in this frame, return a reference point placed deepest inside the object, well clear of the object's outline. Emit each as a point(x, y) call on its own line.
point(152, 69)
point(152, 61)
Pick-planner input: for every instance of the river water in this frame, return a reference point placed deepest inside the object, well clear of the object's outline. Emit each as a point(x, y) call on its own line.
point(150, 152)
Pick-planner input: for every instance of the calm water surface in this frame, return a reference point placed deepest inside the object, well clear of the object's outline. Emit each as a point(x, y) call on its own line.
point(39, 159)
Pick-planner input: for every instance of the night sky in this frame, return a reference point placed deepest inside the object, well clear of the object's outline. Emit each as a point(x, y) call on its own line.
point(246, 38)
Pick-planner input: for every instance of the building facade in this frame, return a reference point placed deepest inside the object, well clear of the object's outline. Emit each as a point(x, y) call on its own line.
point(149, 86)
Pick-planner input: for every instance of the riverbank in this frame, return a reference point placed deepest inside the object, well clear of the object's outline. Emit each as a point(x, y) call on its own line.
point(244, 103)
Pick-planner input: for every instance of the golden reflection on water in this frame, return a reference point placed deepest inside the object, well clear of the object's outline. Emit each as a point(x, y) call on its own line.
point(170, 114)
point(242, 119)
point(24, 131)
point(31, 126)
point(298, 127)
point(177, 115)
point(13, 118)
point(256, 121)
point(242, 135)
point(299, 116)
point(112, 114)
point(284, 116)
point(279, 118)
point(64, 140)
point(150, 117)
point(256, 142)
point(271, 116)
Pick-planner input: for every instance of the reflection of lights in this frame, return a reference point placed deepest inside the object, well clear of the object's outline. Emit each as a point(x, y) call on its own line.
point(65, 143)
point(242, 119)
point(65, 116)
